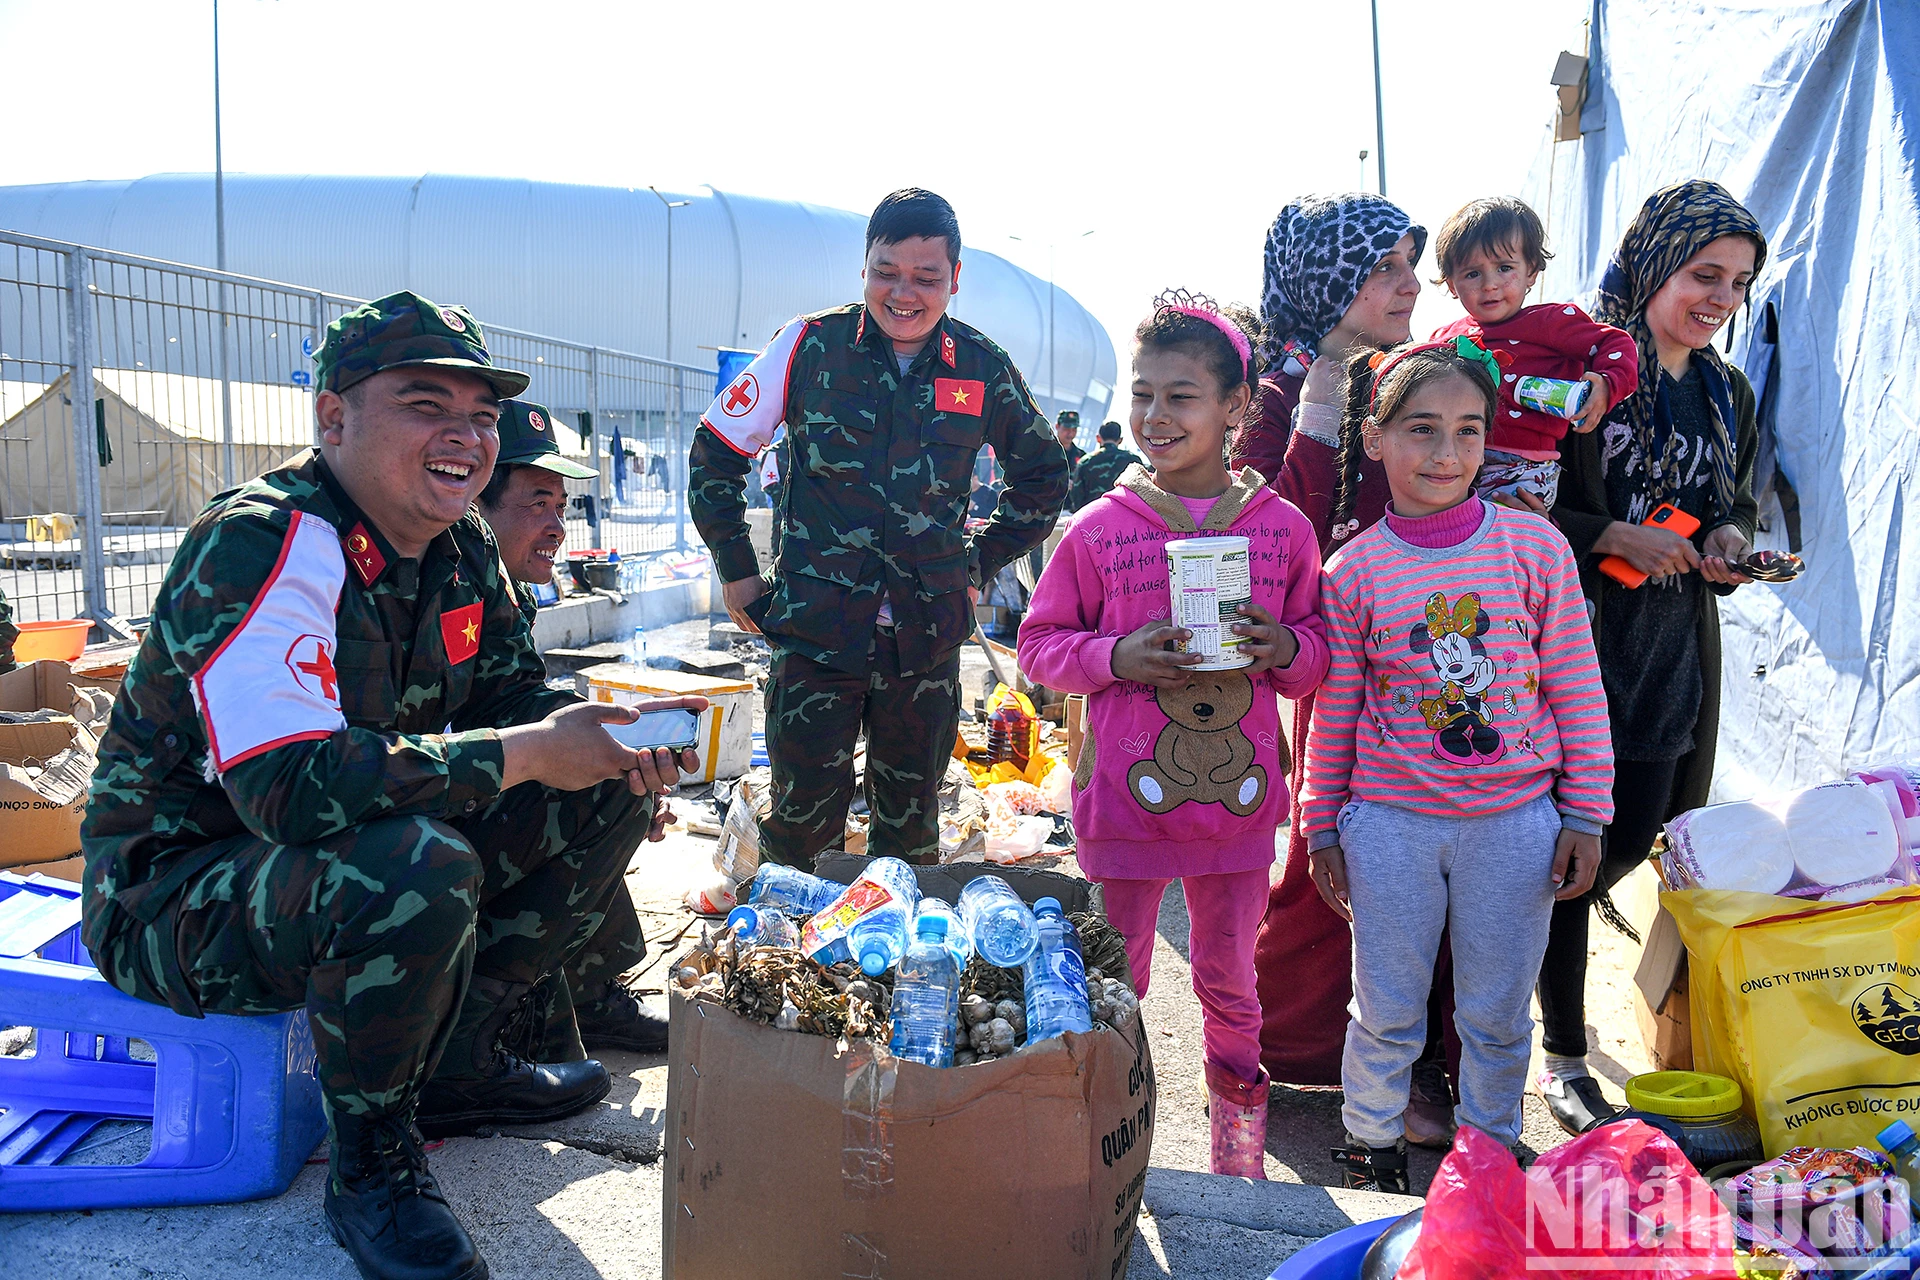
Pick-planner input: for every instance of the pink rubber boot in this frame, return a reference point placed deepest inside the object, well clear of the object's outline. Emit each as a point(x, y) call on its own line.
point(1238, 1109)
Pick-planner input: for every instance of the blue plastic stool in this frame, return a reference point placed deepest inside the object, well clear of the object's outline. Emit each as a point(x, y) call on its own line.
point(234, 1102)
point(1337, 1257)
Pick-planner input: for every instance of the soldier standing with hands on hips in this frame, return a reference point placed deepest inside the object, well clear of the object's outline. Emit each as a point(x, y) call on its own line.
point(588, 1006)
point(335, 780)
point(870, 595)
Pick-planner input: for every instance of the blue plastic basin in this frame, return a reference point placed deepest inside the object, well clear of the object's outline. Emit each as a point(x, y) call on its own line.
point(1337, 1257)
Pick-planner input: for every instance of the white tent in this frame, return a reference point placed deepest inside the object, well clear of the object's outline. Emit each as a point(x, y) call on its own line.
point(166, 436)
point(1802, 111)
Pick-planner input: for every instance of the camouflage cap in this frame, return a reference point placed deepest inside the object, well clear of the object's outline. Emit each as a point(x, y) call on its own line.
point(406, 329)
point(526, 440)
point(1068, 418)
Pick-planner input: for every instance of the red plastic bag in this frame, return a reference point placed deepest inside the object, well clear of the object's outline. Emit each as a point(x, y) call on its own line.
point(1620, 1203)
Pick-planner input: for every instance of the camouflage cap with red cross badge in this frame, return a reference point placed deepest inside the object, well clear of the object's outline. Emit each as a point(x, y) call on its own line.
point(404, 329)
point(526, 440)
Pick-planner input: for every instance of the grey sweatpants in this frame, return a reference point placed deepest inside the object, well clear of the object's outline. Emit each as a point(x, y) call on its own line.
point(1409, 876)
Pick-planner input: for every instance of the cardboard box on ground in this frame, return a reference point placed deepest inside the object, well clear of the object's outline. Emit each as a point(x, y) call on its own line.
point(791, 1155)
point(48, 724)
point(1661, 1004)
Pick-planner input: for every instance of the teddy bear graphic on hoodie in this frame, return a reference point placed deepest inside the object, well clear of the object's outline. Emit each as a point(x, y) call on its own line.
point(1202, 754)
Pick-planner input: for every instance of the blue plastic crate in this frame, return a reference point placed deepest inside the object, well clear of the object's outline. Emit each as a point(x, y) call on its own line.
point(233, 1102)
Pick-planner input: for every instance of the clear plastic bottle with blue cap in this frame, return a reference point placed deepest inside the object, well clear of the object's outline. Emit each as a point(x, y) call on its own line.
point(764, 926)
point(1899, 1141)
point(925, 992)
point(1056, 977)
point(879, 938)
point(998, 922)
point(785, 887)
point(959, 941)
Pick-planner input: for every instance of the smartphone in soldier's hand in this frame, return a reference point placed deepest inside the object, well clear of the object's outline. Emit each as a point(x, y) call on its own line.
point(673, 727)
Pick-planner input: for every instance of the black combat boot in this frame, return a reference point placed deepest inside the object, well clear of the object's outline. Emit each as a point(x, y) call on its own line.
point(385, 1209)
point(548, 1033)
point(480, 1082)
point(614, 1018)
point(1373, 1168)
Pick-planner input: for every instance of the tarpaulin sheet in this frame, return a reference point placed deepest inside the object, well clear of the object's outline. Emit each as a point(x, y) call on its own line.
point(1807, 113)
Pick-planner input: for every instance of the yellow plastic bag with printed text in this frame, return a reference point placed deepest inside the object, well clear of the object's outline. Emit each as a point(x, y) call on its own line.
point(1814, 1007)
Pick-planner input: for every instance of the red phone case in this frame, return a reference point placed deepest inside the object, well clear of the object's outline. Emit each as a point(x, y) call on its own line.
point(1668, 517)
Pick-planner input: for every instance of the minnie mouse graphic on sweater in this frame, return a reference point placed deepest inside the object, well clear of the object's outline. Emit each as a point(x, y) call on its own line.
point(1452, 641)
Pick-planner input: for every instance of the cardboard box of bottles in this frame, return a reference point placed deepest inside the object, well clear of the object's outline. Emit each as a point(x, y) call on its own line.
point(789, 1155)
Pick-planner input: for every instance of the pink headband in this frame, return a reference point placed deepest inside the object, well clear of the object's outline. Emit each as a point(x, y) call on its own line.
point(1226, 326)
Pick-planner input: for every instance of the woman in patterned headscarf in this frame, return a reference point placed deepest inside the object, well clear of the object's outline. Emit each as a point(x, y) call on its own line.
point(1685, 437)
point(1339, 278)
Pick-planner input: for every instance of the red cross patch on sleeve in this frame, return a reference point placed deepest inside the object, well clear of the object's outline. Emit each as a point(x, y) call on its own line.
point(959, 395)
point(460, 632)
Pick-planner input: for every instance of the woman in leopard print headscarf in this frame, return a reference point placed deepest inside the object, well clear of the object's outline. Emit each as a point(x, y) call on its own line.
point(1339, 276)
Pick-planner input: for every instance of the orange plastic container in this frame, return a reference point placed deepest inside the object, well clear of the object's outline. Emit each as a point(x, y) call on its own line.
point(55, 641)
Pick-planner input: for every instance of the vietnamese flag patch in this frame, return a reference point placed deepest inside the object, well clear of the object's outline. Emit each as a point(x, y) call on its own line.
point(460, 632)
point(959, 395)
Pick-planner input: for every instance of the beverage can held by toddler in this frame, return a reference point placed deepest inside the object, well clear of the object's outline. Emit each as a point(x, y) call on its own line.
point(1210, 582)
point(1556, 396)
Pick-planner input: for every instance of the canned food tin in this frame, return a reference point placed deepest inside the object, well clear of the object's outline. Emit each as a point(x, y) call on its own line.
point(1210, 582)
point(1556, 396)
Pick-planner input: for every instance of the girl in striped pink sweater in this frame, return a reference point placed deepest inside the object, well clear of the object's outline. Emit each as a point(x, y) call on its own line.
point(1459, 769)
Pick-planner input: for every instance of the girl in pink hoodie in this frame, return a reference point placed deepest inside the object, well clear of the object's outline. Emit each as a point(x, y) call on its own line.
point(1183, 772)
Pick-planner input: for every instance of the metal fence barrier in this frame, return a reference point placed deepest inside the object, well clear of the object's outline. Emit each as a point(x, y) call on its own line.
point(133, 390)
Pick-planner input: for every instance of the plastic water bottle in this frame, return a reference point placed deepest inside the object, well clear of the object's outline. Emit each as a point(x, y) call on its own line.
point(1899, 1141)
point(1056, 977)
point(636, 648)
point(764, 927)
point(925, 994)
point(998, 922)
point(959, 941)
point(784, 887)
point(879, 938)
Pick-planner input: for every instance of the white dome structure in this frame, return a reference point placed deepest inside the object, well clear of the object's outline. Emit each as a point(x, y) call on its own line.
point(584, 264)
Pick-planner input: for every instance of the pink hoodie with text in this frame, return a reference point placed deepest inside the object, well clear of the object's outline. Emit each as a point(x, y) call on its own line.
point(1186, 781)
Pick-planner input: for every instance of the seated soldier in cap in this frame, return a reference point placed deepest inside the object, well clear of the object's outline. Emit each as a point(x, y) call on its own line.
point(589, 1006)
point(335, 780)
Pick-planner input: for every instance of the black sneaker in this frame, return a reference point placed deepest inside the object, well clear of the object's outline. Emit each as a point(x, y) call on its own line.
point(615, 1018)
point(1577, 1104)
point(1374, 1168)
point(386, 1211)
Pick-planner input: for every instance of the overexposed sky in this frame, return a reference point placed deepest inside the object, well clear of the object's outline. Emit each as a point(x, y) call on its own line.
point(1173, 131)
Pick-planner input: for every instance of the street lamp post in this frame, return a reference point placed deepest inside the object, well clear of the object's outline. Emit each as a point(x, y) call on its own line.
point(679, 447)
point(227, 476)
point(1379, 112)
point(1053, 246)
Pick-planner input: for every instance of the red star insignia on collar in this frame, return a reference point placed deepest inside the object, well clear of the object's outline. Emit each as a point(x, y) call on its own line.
point(363, 554)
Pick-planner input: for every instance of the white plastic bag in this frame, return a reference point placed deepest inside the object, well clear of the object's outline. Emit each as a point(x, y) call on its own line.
point(1027, 838)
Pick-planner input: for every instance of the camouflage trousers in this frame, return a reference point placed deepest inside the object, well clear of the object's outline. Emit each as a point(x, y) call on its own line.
point(376, 931)
point(814, 717)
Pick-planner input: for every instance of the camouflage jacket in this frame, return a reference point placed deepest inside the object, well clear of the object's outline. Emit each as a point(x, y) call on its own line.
point(1098, 472)
point(8, 634)
point(873, 502)
point(300, 678)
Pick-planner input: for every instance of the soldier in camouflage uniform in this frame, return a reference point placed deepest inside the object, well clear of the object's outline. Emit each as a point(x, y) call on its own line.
point(870, 595)
point(589, 1007)
point(1100, 470)
point(8, 634)
point(334, 779)
point(1065, 428)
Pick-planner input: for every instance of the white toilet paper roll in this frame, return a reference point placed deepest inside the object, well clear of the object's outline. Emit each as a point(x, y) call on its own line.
point(1742, 845)
point(1841, 833)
